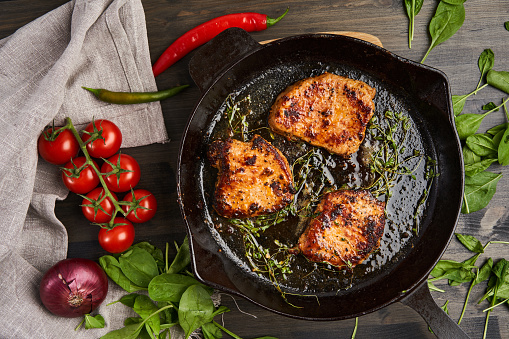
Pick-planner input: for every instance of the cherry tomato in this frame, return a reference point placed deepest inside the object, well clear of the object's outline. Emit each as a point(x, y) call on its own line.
point(127, 173)
point(86, 180)
point(118, 239)
point(91, 209)
point(144, 207)
point(110, 142)
point(61, 149)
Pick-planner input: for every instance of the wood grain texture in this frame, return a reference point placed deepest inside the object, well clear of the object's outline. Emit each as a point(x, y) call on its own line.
point(384, 19)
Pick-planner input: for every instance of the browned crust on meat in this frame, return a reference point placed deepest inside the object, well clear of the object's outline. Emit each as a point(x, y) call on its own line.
point(346, 230)
point(254, 178)
point(328, 111)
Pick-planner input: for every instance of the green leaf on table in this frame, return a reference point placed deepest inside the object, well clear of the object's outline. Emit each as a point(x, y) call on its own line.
point(128, 332)
point(432, 287)
point(498, 79)
point(484, 272)
point(496, 129)
point(485, 62)
point(453, 271)
point(112, 268)
point(447, 20)
point(128, 299)
point(94, 321)
point(506, 25)
point(497, 138)
point(182, 259)
point(470, 242)
point(458, 103)
point(211, 331)
point(155, 252)
point(195, 309)
point(470, 157)
point(489, 106)
point(145, 308)
point(499, 283)
point(479, 189)
point(478, 167)
point(482, 145)
point(413, 7)
point(170, 287)
point(138, 266)
point(503, 149)
point(468, 124)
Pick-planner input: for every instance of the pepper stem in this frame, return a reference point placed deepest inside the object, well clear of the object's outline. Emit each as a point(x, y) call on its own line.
point(271, 21)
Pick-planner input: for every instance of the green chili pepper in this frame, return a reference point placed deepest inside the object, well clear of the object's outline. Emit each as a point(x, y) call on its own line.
point(125, 98)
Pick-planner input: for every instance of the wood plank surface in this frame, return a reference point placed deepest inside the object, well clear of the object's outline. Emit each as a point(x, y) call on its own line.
point(383, 19)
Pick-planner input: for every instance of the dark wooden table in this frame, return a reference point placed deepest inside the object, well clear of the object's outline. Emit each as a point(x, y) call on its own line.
point(386, 19)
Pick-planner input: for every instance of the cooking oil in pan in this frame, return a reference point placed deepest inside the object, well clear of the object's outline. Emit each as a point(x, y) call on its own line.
point(405, 194)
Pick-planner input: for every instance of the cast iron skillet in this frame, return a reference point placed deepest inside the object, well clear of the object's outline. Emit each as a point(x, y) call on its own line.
point(233, 59)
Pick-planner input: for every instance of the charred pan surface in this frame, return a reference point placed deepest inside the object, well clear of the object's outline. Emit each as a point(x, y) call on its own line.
point(254, 178)
point(328, 111)
point(348, 226)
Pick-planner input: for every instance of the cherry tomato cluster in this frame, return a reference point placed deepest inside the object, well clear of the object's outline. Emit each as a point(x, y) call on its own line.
point(119, 173)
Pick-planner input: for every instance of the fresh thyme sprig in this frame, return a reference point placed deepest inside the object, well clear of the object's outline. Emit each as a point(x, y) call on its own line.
point(386, 163)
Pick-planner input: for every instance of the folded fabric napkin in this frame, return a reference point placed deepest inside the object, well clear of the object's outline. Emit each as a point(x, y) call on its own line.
point(94, 43)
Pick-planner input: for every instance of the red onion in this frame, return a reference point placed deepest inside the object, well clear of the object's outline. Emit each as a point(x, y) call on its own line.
point(73, 287)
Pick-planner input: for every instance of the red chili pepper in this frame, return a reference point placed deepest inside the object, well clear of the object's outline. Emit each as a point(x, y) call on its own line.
point(203, 33)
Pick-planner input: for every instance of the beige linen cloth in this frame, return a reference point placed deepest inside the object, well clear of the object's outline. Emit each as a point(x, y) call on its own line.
point(94, 43)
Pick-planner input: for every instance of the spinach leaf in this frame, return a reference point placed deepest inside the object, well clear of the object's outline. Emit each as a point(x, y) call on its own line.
point(129, 299)
point(478, 167)
point(413, 7)
point(489, 106)
point(498, 79)
point(496, 129)
point(484, 272)
point(195, 309)
point(145, 308)
point(182, 259)
point(468, 124)
point(211, 331)
point(506, 25)
point(455, 272)
point(486, 62)
point(94, 322)
point(447, 20)
point(482, 145)
point(155, 252)
point(139, 266)
point(479, 190)
point(112, 268)
point(470, 242)
point(454, 2)
point(170, 287)
point(481, 275)
point(503, 149)
point(458, 103)
point(469, 157)
point(130, 331)
point(503, 145)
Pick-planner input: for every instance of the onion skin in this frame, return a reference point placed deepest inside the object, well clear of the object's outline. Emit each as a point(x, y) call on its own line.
point(73, 287)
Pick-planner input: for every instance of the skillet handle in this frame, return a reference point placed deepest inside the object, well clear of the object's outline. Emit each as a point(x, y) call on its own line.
point(215, 57)
point(441, 324)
